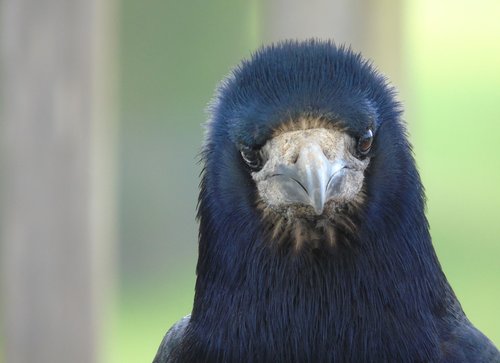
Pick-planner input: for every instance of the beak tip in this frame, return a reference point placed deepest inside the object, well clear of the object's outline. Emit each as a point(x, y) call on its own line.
point(318, 208)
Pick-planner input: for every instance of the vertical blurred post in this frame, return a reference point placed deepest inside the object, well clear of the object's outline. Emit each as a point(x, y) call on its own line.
point(57, 177)
point(373, 27)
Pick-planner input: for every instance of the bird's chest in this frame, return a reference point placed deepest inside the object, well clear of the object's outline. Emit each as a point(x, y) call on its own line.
point(304, 339)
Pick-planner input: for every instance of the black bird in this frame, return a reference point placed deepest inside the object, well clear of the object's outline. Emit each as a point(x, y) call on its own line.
point(313, 243)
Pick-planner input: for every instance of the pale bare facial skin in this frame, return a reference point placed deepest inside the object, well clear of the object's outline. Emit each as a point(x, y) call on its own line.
point(310, 180)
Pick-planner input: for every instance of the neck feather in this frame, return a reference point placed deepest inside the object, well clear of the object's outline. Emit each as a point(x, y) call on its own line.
point(256, 299)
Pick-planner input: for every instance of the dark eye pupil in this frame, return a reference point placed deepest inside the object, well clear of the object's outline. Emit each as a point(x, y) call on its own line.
point(252, 158)
point(365, 142)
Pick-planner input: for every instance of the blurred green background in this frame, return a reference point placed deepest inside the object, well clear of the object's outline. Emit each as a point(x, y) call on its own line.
point(173, 53)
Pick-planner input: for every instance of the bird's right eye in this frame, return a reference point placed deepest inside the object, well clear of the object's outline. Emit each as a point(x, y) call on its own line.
point(252, 157)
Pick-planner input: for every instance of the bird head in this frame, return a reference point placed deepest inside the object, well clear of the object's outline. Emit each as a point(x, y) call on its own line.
point(312, 227)
point(302, 136)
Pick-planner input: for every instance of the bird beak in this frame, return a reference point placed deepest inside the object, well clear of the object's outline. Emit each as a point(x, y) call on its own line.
point(306, 170)
point(312, 180)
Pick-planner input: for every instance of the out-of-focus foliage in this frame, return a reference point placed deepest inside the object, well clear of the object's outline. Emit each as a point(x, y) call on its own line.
point(173, 54)
point(453, 54)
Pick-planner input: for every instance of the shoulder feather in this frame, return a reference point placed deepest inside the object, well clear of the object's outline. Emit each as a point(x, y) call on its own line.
point(171, 340)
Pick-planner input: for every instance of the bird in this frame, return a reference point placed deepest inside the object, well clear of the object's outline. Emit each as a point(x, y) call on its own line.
point(313, 240)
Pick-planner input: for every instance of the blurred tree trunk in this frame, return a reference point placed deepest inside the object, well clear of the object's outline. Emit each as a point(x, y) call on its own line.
point(56, 177)
point(373, 27)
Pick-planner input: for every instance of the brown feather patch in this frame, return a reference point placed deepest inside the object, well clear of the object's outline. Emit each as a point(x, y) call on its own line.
point(337, 225)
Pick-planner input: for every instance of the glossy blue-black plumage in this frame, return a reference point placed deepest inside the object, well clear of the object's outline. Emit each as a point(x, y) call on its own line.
point(289, 80)
point(378, 296)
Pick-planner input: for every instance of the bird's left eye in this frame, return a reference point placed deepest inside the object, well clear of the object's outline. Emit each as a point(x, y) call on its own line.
point(252, 157)
point(365, 142)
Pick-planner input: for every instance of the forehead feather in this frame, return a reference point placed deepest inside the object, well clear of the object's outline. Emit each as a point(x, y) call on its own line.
point(296, 80)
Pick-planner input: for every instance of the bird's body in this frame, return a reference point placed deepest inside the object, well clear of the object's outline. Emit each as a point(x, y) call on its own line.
point(314, 246)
